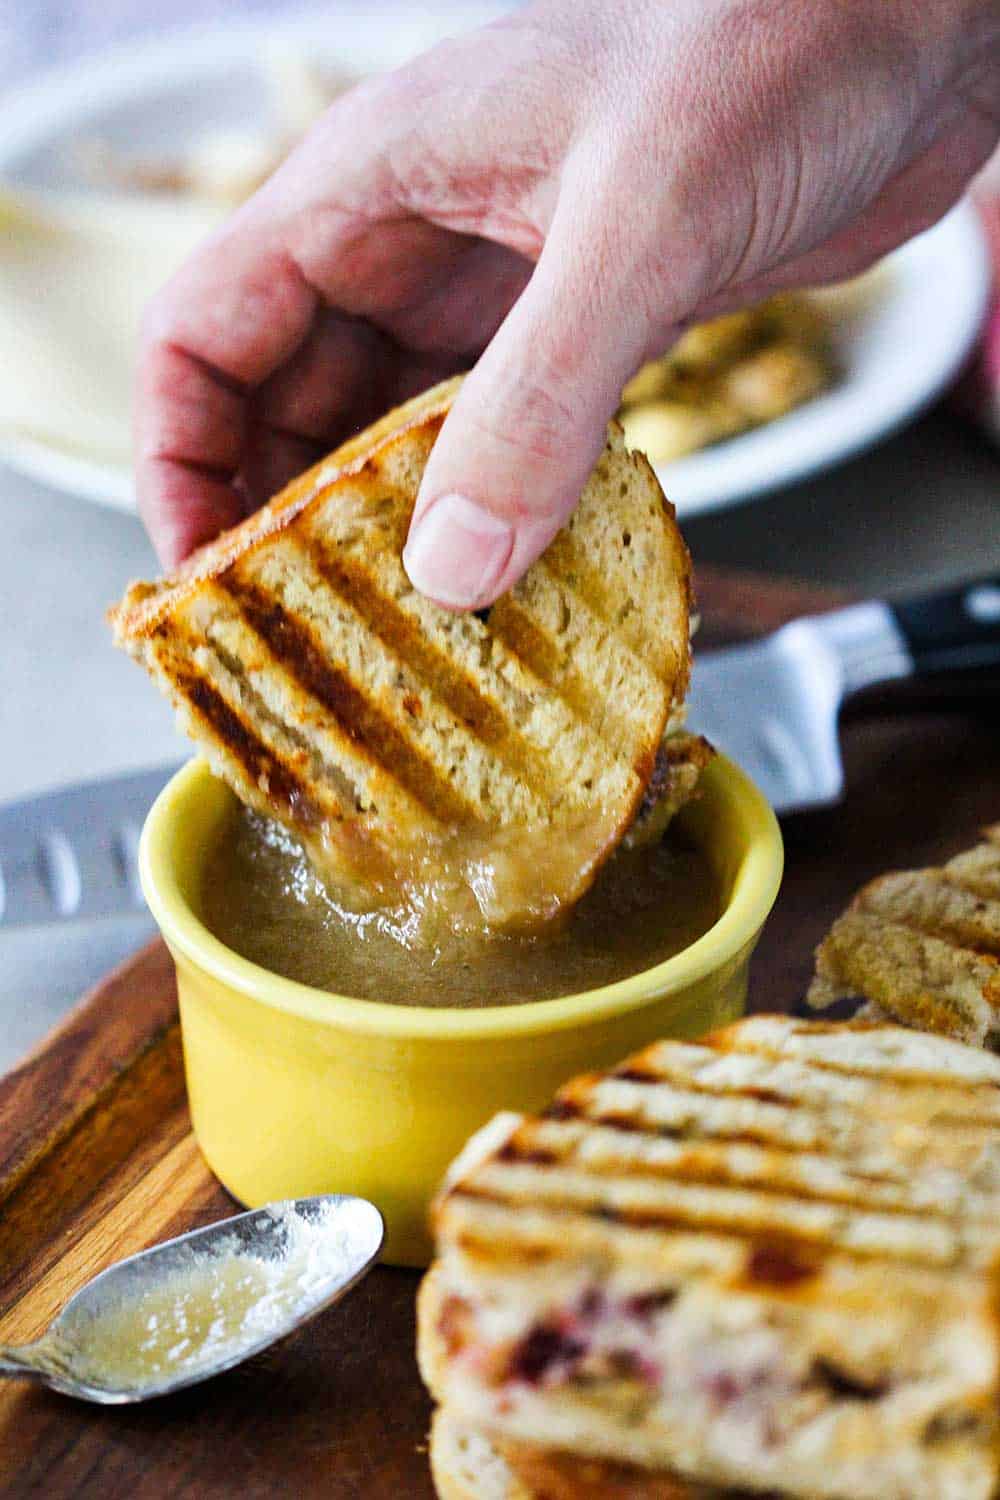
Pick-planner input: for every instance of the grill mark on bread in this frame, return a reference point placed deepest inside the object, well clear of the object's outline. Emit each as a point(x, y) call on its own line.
point(527, 1155)
point(470, 656)
point(847, 1387)
point(636, 1075)
point(724, 1043)
point(719, 1162)
point(551, 758)
point(479, 776)
point(260, 763)
point(294, 646)
point(861, 1192)
point(523, 639)
point(405, 638)
point(646, 1080)
point(923, 947)
point(567, 562)
point(709, 1137)
point(333, 792)
point(845, 1210)
point(919, 977)
point(808, 1124)
point(795, 1101)
point(402, 634)
point(665, 1221)
point(563, 1109)
point(520, 620)
point(242, 666)
point(928, 901)
point(778, 1264)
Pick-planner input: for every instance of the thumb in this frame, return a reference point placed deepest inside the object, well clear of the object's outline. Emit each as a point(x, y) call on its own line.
point(523, 435)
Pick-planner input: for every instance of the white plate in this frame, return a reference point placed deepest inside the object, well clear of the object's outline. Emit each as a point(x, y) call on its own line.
point(901, 333)
point(898, 344)
point(152, 100)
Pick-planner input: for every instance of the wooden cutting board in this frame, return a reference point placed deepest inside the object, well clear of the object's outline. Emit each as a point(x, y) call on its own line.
point(97, 1159)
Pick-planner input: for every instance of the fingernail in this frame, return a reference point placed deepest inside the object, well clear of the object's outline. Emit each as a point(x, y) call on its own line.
point(457, 552)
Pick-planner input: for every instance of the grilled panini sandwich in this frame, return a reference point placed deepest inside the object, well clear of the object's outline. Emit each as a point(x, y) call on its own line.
point(923, 947)
point(766, 1261)
point(411, 748)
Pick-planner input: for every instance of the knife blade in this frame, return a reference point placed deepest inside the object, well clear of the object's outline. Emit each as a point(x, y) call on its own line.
point(72, 854)
point(773, 705)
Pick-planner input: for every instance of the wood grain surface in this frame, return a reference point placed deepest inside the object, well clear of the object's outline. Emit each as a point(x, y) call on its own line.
point(97, 1160)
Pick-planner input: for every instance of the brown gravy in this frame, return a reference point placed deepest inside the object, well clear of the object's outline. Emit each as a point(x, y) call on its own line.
point(261, 898)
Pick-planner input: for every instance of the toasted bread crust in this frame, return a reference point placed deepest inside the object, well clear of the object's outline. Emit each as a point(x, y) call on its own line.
point(466, 1465)
point(145, 604)
point(469, 1465)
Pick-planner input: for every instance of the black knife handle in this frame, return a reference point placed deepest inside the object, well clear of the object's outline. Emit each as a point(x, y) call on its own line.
point(956, 630)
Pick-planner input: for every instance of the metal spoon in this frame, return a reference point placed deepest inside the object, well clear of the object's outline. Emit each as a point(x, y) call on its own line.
point(194, 1306)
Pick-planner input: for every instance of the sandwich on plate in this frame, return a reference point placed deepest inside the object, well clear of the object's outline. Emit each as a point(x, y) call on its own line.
point(767, 1261)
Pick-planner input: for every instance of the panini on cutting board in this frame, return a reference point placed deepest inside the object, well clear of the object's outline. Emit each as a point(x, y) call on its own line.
point(922, 947)
point(768, 1260)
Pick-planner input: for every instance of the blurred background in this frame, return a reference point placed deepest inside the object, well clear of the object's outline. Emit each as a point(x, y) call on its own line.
point(121, 141)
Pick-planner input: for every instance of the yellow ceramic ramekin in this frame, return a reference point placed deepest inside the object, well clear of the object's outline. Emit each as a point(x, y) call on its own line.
point(295, 1091)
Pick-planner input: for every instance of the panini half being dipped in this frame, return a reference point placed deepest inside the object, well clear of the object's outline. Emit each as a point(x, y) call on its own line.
point(768, 1261)
point(420, 754)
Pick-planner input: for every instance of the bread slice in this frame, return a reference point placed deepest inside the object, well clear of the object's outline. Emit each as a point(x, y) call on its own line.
point(923, 946)
point(378, 726)
point(468, 1465)
point(768, 1260)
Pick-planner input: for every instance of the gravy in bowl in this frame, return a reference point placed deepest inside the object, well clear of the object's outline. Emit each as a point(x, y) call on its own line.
point(261, 898)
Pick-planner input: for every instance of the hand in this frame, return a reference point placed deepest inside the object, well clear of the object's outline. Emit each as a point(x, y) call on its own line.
point(550, 199)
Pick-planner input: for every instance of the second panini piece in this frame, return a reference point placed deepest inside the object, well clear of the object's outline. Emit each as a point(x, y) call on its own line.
point(765, 1261)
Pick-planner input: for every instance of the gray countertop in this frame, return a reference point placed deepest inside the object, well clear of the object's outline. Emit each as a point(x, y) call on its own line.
point(918, 511)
